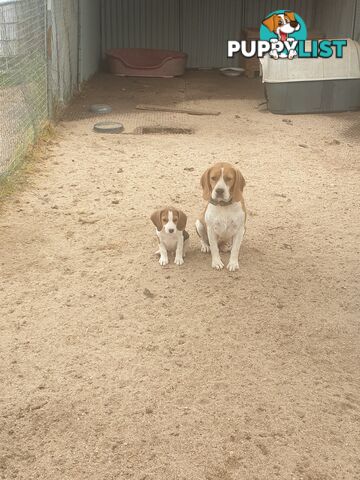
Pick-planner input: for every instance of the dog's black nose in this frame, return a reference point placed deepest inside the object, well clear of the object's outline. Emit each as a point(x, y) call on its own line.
point(171, 230)
point(219, 191)
point(294, 23)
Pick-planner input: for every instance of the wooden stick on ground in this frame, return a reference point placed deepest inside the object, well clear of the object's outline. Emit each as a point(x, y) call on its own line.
point(159, 108)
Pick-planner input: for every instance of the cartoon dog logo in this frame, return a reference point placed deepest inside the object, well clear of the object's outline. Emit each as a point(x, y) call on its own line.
point(283, 25)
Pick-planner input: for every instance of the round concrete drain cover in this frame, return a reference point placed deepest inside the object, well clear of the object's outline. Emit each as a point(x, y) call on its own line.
point(108, 127)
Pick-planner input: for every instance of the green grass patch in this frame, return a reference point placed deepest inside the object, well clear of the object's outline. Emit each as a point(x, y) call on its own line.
point(26, 162)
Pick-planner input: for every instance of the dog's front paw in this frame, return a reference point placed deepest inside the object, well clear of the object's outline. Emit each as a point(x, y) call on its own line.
point(233, 265)
point(163, 261)
point(292, 54)
point(217, 263)
point(205, 248)
point(179, 260)
point(274, 54)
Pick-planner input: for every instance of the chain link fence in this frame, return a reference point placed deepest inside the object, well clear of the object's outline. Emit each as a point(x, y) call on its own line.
point(23, 77)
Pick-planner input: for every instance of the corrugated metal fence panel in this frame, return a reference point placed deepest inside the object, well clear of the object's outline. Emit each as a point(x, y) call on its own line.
point(199, 27)
point(206, 26)
point(90, 38)
point(334, 18)
point(357, 22)
point(256, 10)
point(63, 75)
point(141, 23)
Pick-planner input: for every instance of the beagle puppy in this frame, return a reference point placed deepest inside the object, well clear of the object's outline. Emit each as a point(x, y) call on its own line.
point(170, 226)
point(222, 225)
point(282, 25)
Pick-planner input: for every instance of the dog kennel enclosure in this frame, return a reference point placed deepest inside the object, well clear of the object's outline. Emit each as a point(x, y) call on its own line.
point(83, 30)
point(49, 48)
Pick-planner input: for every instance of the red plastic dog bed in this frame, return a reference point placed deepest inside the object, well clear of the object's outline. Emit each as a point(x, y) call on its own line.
point(146, 62)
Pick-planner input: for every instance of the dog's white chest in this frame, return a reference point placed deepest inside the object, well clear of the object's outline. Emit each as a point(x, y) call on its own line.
point(170, 240)
point(225, 221)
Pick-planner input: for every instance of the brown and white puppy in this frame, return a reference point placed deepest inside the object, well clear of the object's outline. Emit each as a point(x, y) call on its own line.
point(223, 221)
point(170, 226)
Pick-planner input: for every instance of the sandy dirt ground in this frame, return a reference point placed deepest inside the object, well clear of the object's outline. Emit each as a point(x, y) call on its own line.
point(112, 367)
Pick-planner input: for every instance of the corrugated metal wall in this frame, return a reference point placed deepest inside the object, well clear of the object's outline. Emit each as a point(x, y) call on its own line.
point(90, 39)
point(74, 46)
point(206, 26)
point(336, 18)
point(140, 23)
point(256, 10)
point(63, 50)
point(357, 22)
point(199, 27)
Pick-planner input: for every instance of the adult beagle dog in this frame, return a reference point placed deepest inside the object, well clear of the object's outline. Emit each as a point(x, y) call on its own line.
point(222, 225)
point(283, 25)
point(170, 226)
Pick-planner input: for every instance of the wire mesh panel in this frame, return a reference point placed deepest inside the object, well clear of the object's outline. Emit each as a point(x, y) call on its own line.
point(23, 77)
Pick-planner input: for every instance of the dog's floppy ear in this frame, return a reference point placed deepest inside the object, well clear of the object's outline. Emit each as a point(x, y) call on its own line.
point(205, 183)
point(181, 224)
point(270, 23)
point(238, 186)
point(291, 15)
point(156, 219)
